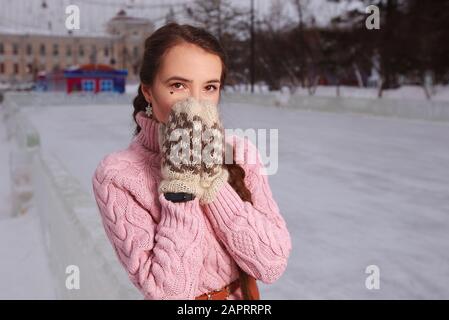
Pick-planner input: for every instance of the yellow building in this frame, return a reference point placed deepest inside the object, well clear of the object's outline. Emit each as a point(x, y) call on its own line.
point(22, 56)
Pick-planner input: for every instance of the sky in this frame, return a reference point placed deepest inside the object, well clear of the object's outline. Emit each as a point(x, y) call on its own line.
point(22, 16)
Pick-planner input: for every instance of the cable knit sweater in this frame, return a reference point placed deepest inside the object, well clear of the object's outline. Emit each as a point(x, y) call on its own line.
point(182, 250)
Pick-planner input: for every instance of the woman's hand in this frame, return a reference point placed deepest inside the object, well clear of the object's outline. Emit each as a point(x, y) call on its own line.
point(180, 144)
point(192, 147)
point(213, 172)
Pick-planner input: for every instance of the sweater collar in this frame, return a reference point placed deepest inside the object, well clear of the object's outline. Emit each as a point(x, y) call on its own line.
point(149, 133)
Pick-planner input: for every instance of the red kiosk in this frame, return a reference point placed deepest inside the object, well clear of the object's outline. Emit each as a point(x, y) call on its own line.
point(95, 78)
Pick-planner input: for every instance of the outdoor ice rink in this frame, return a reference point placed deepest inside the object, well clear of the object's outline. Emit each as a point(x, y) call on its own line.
point(355, 191)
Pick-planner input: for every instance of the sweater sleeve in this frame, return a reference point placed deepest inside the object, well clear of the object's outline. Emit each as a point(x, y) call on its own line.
point(255, 234)
point(162, 258)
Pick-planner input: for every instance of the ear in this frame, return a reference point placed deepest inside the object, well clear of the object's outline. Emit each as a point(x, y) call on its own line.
point(146, 90)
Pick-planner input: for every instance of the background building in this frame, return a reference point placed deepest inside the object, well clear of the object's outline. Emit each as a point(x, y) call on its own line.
point(23, 56)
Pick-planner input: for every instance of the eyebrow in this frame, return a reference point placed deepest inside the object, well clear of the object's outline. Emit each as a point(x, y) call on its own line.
point(187, 80)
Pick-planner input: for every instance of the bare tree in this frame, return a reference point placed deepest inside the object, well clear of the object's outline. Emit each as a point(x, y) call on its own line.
point(170, 16)
point(217, 16)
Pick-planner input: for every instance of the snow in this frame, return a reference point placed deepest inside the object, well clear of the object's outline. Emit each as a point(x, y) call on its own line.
point(405, 92)
point(405, 102)
point(355, 190)
point(24, 269)
point(88, 130)
point(359, 190)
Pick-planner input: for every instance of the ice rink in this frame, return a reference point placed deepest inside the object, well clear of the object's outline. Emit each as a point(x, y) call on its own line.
point(355, 191)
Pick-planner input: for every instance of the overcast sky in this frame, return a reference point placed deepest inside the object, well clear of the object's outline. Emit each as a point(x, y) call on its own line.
point(30, 16)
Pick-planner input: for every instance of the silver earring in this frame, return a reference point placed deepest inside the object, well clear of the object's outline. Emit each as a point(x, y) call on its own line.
point(149, 110)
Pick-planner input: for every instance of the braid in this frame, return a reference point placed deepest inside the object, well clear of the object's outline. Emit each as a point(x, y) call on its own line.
point(140, 104)
point(236, 176)
point(155, 47)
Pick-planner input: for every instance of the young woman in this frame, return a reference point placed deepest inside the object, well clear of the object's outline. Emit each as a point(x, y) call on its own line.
point(188, 231)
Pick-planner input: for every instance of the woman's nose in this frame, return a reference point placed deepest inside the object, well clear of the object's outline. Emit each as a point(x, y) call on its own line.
point(196, 93)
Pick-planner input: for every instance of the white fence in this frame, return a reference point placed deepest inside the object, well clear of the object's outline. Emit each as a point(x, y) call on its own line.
point(69, 218)
point(400, 108)
point(61, 98)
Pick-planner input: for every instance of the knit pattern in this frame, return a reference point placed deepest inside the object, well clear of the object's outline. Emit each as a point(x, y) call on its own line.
point(182, 250)
point(183, 130)
point(192, 148)
point(213, 173)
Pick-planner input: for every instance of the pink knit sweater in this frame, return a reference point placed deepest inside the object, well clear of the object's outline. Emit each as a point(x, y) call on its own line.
point(182, 250)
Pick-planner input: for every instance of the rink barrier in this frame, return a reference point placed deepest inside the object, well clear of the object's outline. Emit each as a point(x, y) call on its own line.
point(75, 236)
point(386, 107)
point(69, 218)
point(61, 98)
point(397, 108)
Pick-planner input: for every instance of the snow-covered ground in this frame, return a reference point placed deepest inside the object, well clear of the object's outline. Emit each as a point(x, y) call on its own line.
point(24, 269)
point(355, 191)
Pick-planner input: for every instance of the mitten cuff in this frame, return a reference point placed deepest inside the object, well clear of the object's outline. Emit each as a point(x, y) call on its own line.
point(215, 186)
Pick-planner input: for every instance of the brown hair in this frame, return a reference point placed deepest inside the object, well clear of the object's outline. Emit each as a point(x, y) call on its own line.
point(155, 46)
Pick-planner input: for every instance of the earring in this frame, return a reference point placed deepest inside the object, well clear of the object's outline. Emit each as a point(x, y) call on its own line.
point(149, 110)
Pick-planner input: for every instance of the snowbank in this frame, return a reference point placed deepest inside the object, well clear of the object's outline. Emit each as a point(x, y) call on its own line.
point(73, 233)
point(61, 98)
point(400, 108)
point(75, 236)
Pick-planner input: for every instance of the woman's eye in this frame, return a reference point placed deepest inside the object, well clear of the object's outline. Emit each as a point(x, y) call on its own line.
point(211, 88)
point(177, 85)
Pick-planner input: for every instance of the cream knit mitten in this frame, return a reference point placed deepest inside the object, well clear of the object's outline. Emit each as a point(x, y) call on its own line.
point(180, 144)
point(213, 173)
point(191, 144)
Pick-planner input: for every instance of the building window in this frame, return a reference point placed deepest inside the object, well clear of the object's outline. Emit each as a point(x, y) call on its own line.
point(29, 49)
point(16, 68)
point(42, 49)
point(69, 51)
point(136, 52)
point(15, 48)
point(81, 51)
point(2, 49)
point(88, 85)
point(55, 49)
point(106, 51)
point(29, 68)
point(106, 85)
point(56, 68)
point(2, 67)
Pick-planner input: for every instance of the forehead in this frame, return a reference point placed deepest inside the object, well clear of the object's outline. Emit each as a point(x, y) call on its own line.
point(191, 62)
